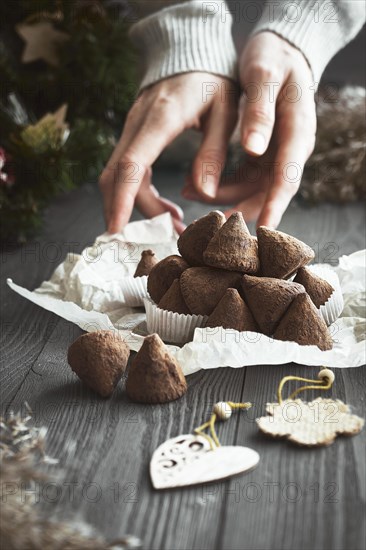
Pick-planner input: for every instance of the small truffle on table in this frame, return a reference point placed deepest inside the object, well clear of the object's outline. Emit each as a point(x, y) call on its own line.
point(99, 359)
point(155, 376)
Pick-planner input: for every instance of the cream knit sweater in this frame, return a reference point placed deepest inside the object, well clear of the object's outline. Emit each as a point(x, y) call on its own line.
point(195, 35)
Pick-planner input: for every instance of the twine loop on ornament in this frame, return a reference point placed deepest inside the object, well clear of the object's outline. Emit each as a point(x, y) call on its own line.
point(221, 411)
point(324, 382)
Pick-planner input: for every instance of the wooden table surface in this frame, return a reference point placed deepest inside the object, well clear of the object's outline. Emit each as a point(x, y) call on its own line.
point(294, 499)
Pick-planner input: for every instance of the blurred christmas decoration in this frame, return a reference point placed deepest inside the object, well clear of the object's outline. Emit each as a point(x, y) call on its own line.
point(42, 40)
point(66, 70)
point(336, 169)
point(22, 524)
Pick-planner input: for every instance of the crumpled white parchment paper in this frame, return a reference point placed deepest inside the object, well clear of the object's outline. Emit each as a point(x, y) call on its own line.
point(85, 290)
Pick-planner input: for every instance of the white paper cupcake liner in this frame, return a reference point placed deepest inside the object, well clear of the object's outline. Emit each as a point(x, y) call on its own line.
point(134, 290)
point(174, 328)
point(332, 309)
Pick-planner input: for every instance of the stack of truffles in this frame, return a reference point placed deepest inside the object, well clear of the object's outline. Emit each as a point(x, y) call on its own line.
point(233, 280)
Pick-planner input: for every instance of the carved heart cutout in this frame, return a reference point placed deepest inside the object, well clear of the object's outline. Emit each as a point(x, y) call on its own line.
point(188, 460)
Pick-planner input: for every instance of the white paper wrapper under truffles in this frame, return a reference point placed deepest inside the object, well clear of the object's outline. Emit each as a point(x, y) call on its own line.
point(332, 309)
point(172, 327)
point(134, 290)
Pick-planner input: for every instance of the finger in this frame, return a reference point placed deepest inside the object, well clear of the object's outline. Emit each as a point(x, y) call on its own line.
point(150, 204)
point(108, 175)
point(297, 141)
point(211, 156)
point(261, 87)
point(250, 208)
point(142, 152)
point(159, 205)
point(248, 179)
point(228, 194)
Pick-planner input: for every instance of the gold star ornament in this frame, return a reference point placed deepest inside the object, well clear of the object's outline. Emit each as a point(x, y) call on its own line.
point(41, 42)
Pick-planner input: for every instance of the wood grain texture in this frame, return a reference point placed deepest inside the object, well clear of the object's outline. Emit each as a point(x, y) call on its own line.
point(296, 498)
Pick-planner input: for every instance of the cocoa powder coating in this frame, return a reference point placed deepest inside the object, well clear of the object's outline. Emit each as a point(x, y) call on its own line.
point(173, 299)
point(99, 359)
point(194, 240)
point(318, 289)
point(155, 376)
point(303, 324)
point(232, 313)
point(146, 263)
point(280, 254)
point(268, 299)
point(233, 248)
point(203, 287)
point(163, 274)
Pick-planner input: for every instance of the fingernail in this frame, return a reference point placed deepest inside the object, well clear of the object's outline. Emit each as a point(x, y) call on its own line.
point(256, 143)
point(209, 188)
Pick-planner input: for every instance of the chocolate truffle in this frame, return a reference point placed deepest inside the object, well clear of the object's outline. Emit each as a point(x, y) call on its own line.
point(318, 289)
point(147, 262)
point(163, 274)
point(99, 359)
point(268, 299)
point(203, 287)
point(280, 254)
point(232, 313)
point(233, 248)
point(173, 300)
point(303, 324)
point(194, 240)
point(155, 376)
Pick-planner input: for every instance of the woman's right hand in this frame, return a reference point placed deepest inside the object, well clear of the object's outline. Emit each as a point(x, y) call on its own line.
point(198, 100)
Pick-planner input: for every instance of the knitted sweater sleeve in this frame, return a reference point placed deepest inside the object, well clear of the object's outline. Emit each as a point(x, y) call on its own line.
point(318, 28)
point(196, 35)
point(190, 36)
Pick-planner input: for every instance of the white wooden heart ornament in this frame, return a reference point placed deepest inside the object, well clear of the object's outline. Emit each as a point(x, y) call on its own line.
point(188, 460)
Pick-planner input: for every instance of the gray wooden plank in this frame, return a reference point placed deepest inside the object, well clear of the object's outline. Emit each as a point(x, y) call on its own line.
point(105, 446)
point(109, 443)
point(24, 327)
point(300, 498)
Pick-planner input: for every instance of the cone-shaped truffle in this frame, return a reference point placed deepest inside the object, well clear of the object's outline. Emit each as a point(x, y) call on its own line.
point(280, 254)
point(99, 359)
point(155, 376)
point(232, 313)
point(147, 262)
point(318, 289)
point(303, 324)
point(203, 287)
point(194, 240)
point(163, 274)
point(268, 299)
point(233, 247)
point(173, 299)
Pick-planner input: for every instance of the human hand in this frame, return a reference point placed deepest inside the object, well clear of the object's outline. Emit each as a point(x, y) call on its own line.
point(277, 129)
point(192, 100)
